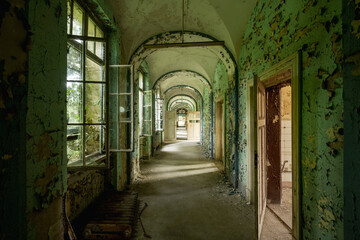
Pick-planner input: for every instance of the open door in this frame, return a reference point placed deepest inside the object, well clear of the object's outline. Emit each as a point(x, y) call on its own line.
point(193, 127)
point(261, 153)
point(170, 125)
point(219, 131)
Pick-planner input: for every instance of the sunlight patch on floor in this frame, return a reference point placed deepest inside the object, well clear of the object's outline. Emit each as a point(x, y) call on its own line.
point(163, 174)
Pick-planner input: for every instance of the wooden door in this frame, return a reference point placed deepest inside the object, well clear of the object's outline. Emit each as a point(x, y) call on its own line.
point(193, 126)
point(170, 125)
point(219, 131)
point(261, 153)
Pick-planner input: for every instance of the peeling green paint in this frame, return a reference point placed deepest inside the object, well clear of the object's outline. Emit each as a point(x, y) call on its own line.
point(276, 30)
point(351, 131)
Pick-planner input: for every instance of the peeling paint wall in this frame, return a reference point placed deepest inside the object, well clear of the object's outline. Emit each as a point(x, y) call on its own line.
point(46, 120)
point(221, 82)
point(276, 30)
point(351, 47)
point(142, 145)
point(83, 188)
point(206, 122)
point(14, 46)
point(33, 120)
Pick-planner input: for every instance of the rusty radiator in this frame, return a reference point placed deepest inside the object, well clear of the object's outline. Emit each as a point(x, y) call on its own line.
point(114, 217)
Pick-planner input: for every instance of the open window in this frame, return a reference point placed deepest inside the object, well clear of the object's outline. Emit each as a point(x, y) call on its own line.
point(87, 91)
point(159, 105)
point(147, 113)
point(122, 108)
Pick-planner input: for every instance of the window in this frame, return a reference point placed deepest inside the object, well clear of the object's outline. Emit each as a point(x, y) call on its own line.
point(87, 94)
point(145, 108)
point(141, 103)
point(159, 104)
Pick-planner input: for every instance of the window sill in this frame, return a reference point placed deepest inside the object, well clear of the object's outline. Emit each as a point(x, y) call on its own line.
point(93, 160)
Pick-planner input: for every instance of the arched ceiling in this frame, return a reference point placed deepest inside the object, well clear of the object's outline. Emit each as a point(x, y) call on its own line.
point(195, 59)
point(183, 78)
point(182, 99)
point(181, 105)
point(224, 20)
point(145, 22)
point(181, 90)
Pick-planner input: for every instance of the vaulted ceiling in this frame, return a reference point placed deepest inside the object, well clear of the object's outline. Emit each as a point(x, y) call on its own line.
point(140, 21)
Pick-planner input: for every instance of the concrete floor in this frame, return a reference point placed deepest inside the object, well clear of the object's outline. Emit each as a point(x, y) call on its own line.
point(189, 198)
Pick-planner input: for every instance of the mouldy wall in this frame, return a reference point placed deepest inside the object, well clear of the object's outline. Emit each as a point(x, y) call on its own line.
point(221, 81)
point(117, 160)
point(351, 45)
point(206, 118)
point(83, 188)
point(46, 120)
point(138, 154)
point(277, 29)
point(14, 46)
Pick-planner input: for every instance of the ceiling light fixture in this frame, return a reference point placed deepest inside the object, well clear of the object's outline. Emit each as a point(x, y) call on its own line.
point(183, 43)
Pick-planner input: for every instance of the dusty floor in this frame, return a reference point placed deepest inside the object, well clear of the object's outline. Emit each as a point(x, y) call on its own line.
point(284, 210)
point(189, 198)
point(273, 229)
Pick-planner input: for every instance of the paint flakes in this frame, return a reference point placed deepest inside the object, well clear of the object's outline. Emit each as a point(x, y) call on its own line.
point(43, 150)
point(355, 59)
point(6, 157)
point(43, 182)
point(355, 24)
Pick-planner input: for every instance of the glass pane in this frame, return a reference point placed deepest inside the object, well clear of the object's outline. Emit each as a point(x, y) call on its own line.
point(68, 16)
point(125, 141)
point(91, 28)
point(100, 50)
point(141, 81)
point(94, 144)
point(74, 102)
point(95, 103)
point(124, 79)
point(95, 72)
point(74, 145)
point(99, 32)
point(125, 108)
point(74, 61)
point(78, 20)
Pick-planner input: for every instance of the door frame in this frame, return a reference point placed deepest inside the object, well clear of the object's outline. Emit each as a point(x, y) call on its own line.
point(221, 100)
point(292, 63)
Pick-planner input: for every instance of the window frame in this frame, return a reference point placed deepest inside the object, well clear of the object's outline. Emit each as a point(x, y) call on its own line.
point(87, 54)
point(159, 112)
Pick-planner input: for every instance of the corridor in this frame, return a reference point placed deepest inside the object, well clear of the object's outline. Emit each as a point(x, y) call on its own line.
point(231, 119)
point(189, 198)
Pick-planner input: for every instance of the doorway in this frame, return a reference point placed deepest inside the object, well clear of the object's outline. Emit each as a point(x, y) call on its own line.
point(274, 138)
point(181, 125)
point(219, 131)
point(193, 125)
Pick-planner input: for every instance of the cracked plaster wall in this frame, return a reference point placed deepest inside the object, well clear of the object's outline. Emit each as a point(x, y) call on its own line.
point(14, 46)
point(277, 29)
point(142, 145)
point(351, 47)
point(33, 117)
point(46, 120)
point(221, 82)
